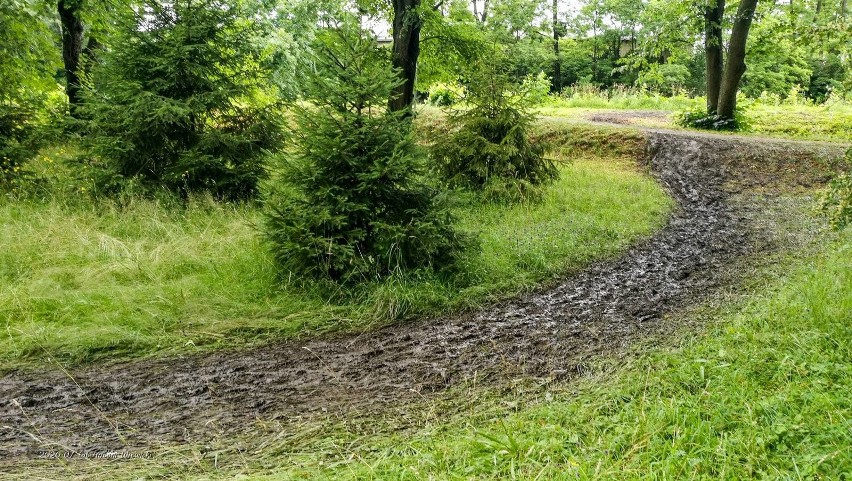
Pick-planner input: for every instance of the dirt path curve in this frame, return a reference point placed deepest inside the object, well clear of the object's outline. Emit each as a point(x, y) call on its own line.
point(549, 333)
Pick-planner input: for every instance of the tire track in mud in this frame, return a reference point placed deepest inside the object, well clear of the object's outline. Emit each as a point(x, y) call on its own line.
point(549, 333)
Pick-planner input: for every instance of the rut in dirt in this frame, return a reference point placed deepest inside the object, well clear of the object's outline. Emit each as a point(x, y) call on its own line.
point(549, 334)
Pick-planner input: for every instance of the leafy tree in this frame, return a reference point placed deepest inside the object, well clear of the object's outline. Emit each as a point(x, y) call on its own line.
point(490, 147)
point(734, 66)
point(26, 65)
point(181, 100)
point(354, 206)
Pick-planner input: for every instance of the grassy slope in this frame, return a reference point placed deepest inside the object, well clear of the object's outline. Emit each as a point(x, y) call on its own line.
point(81, 280)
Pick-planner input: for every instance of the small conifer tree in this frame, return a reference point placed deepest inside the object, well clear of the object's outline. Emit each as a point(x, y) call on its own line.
point(355, 206)
point(489, 148)
point(181, 100)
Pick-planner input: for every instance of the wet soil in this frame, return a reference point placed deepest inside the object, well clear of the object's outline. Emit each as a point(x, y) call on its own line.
point(552, 333)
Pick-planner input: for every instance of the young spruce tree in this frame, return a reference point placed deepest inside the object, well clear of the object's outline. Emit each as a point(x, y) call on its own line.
point(181, 102)
point(490, 148)
point(356, 207)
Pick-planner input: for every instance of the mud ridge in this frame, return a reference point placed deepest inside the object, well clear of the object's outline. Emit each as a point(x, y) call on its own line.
point(551, 333)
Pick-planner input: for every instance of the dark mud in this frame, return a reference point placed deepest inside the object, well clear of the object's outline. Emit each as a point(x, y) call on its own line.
point(552, 333)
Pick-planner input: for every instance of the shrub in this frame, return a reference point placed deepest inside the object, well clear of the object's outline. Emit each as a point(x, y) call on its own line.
point(536, 88)
point(836, 201)
point(699, 119)
point(181, 103)
point(25, 127)
point(15, 143)
point(490, 142)
point(444, 95)
point(28, 63)
point(354, 206)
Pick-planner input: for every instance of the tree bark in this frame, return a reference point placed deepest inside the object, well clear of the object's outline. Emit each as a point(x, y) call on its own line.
point(557, 63)
point(844, 4)
point(713, 16)
point(72, 48)
point(406, 49)
point(735, 66)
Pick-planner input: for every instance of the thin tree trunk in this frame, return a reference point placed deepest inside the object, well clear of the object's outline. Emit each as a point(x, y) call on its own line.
point(557, 63)
point(844, 4)
point(713, 16)
point(484, 11)
point(72, 48)
point(735, 67)
point(406, 49)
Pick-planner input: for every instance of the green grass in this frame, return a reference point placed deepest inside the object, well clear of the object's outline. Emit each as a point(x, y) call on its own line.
point(621, 98)
point(760, 393)
point(82, 280)
point(763, 394)
point(793, 119)
point(813, 122)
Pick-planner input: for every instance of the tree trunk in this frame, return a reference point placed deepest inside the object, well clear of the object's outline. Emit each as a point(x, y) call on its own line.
point(557, 63)
point(735, 66)
point(406, 49)
point(713, 16)
point(484, 11)
point(843, 6)
point(72, 48)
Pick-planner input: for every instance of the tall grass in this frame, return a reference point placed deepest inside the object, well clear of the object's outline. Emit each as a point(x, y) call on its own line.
point(622, 97)
point(82, 280)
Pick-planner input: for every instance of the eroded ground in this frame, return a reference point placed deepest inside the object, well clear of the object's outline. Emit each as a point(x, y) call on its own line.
point(553, 333)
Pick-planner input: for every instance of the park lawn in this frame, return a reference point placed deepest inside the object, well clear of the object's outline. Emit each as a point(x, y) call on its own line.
point(831, 122)
point(84, 279)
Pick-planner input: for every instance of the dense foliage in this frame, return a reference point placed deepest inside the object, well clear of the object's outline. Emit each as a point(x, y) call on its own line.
point(836, 201)
point(355, 206)
point(180, 101)
point(26, 58)
point(490, 148)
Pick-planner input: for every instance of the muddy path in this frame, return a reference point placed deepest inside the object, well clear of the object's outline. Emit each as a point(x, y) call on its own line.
point(551, 333)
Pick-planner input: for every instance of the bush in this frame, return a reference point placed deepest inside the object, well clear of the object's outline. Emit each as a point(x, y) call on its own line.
point(354, 206)
point(836, 201)
point(20, 139)
point(181, 101)
point(444, 95)
point(490, 142)
point(14, 150)
point(699, 119)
